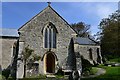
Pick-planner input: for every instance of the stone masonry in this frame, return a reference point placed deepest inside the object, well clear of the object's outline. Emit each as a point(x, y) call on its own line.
point(31, 34)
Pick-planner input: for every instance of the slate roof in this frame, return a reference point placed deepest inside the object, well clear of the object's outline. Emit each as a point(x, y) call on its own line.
point(9, 33)
point(14, 33)
point(48, 7)
point(84, 41)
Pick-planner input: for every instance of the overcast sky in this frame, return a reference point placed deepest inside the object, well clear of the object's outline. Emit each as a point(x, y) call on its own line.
point(14, 15)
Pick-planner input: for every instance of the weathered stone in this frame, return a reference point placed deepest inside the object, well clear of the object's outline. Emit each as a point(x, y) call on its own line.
point(62, 57)
point(7, 51)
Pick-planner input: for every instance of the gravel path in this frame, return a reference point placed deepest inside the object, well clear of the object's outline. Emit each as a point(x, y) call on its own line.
point(99, 72)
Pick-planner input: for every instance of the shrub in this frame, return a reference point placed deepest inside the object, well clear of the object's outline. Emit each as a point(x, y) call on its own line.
point(86, 66)
point(93, 70)
point(2, 77)
point(6, 73)
point(60, 72)
point(41, 76)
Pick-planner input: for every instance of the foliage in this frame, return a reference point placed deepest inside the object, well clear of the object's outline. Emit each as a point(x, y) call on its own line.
point(6, 72)
point(35, 57)
point(81, 28)
point(29, 57)
point(109, 34)
point(2, 77)
point(10, 78)
point(115, 60)
point(112, 73)
point(93, 70)
point(59, 76)
point(60, 72)
point(32, 79)
point(86, 66)
point(27, 53)
point(41, 76)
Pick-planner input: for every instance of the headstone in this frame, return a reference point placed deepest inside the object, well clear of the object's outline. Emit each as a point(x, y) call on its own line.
point(109, 65)
point(75, 75)
point(117, 64)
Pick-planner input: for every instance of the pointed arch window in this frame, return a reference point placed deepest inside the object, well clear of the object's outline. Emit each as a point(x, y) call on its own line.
point(90, 54)
point(50, 36)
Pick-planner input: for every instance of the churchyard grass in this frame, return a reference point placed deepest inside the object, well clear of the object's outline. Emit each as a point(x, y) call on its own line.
point(0, 77)
point(93, 70)
point(112, 73)
point(115, 60)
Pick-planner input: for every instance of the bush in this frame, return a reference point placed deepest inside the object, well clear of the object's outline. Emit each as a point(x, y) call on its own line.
point(2, 77)
point(93, 70)
point(6, 73)
point(41, 76)
point(86, 66)
point(110, 56)
point(60, 72)
point(115, 60)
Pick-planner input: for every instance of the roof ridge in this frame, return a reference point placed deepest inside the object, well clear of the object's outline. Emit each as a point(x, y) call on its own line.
point(55, 12)
point(33, 17)
point(7, 32)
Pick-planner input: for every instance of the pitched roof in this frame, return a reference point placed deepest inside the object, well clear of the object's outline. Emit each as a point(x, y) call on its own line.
point(48, 7)
point(84, 41)
point(14, 33)
point(9, 32)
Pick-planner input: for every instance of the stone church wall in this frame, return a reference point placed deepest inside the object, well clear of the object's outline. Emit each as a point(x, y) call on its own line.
point(32, 35)
point(7, 51)
point(84, 51)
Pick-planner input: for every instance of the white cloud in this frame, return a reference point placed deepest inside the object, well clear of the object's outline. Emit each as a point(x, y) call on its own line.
point(99, 10)
point(103, 11)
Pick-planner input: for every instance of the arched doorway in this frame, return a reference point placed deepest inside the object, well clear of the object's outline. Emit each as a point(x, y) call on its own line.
point(50, 63)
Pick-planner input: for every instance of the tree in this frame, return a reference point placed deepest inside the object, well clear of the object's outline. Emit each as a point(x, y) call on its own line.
point(26, 54)
point(29, 57)
point(86, 66)
point(81, 28)
point(109, 34)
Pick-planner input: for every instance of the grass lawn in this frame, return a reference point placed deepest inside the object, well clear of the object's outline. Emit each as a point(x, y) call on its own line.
point(112, 73)
point(115, 60)
point(0, 77)
point(93, 70)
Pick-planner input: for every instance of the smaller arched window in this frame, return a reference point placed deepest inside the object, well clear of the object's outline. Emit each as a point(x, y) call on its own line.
point(90, 54)
point(49, 36)
point(98, 56)
point(98, 51)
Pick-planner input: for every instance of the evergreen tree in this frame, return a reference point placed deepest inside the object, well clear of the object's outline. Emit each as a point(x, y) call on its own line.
point(110, 34)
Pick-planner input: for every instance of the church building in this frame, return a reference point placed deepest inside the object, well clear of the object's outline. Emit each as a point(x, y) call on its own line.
point(54, 40)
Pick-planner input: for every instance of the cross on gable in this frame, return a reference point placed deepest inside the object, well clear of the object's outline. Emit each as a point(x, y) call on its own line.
point(49, 3)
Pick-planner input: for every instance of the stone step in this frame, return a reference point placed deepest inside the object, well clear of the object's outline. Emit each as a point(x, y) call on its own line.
point(52, 76)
